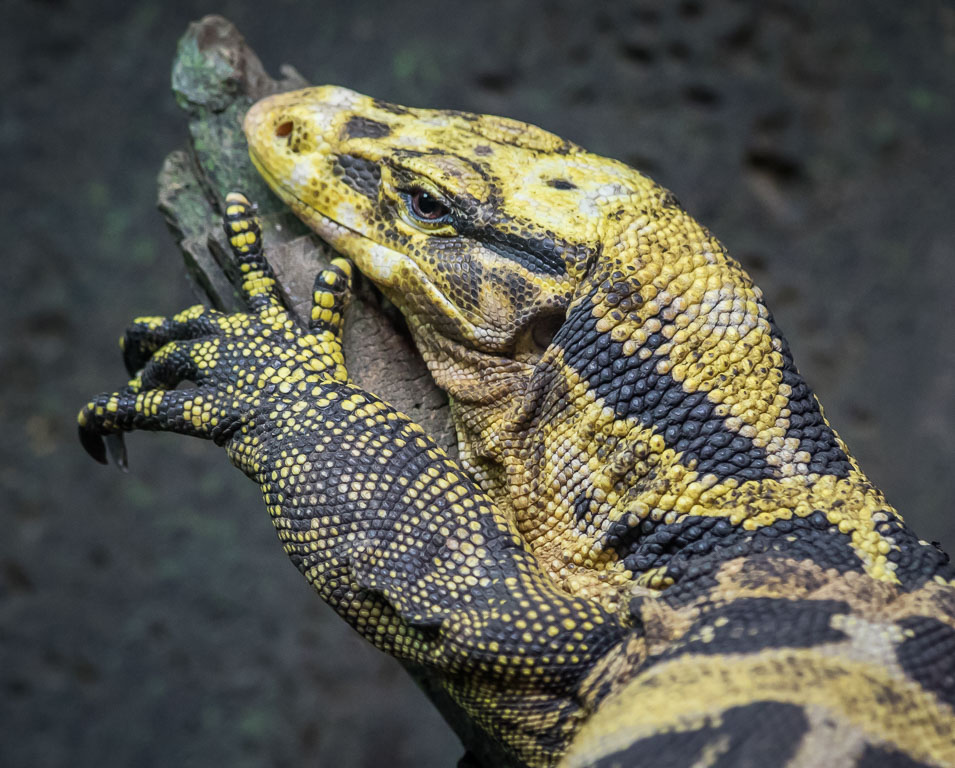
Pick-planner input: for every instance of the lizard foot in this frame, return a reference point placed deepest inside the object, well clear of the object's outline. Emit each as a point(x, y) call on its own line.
point(234, 363)
point(393, 534)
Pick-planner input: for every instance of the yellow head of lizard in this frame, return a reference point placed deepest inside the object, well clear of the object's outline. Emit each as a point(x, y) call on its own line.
point(477, 227)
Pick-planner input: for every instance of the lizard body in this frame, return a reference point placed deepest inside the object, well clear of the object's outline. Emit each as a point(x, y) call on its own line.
point(654, 549)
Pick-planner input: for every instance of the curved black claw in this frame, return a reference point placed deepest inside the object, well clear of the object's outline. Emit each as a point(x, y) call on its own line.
point(116, 448)
point(93, 444)
point(105, 448)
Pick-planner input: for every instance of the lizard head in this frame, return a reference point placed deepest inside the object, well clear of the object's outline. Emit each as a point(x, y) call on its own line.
point(478, 228)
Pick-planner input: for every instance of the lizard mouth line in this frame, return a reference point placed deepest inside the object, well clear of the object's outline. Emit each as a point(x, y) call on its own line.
point(340, 236)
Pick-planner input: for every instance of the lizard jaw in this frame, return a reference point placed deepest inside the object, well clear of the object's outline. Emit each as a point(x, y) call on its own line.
point(390, 270)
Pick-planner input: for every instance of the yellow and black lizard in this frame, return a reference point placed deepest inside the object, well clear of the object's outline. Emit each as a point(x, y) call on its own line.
point(654, 550)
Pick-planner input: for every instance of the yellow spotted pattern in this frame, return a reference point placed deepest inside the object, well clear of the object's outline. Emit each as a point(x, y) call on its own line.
point(633, 410)
point(653, 541)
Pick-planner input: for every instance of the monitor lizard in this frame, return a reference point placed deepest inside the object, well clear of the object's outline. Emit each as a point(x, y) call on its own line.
point(654, 550)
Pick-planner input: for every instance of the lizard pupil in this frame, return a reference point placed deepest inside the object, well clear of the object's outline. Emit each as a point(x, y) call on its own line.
point(426, 206)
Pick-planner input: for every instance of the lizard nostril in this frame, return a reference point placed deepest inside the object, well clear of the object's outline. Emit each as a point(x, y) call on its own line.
point(283, 129)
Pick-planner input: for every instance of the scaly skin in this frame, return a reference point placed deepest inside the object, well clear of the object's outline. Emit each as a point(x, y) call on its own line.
point(656, 551)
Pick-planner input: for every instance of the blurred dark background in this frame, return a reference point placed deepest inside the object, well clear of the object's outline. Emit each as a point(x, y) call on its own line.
point(151, 619)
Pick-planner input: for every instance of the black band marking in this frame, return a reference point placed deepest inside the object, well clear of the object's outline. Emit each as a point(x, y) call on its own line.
point(544, 255)
point(781, 729)
point(688, 421)
point(360, 174)
point(359, 127)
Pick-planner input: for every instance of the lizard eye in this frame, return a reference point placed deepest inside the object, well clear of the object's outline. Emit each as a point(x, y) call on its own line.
point(426, 207)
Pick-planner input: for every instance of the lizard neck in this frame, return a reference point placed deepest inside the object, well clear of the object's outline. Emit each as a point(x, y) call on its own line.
point(483, 389)
point(668, 414)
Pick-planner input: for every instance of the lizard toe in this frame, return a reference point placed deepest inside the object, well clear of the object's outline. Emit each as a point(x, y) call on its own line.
point(330, 295)
point(146, 335)
point(196, 411)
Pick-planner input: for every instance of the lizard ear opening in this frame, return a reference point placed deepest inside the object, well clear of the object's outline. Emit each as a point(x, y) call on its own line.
point(537, 336)
point(545, 328)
